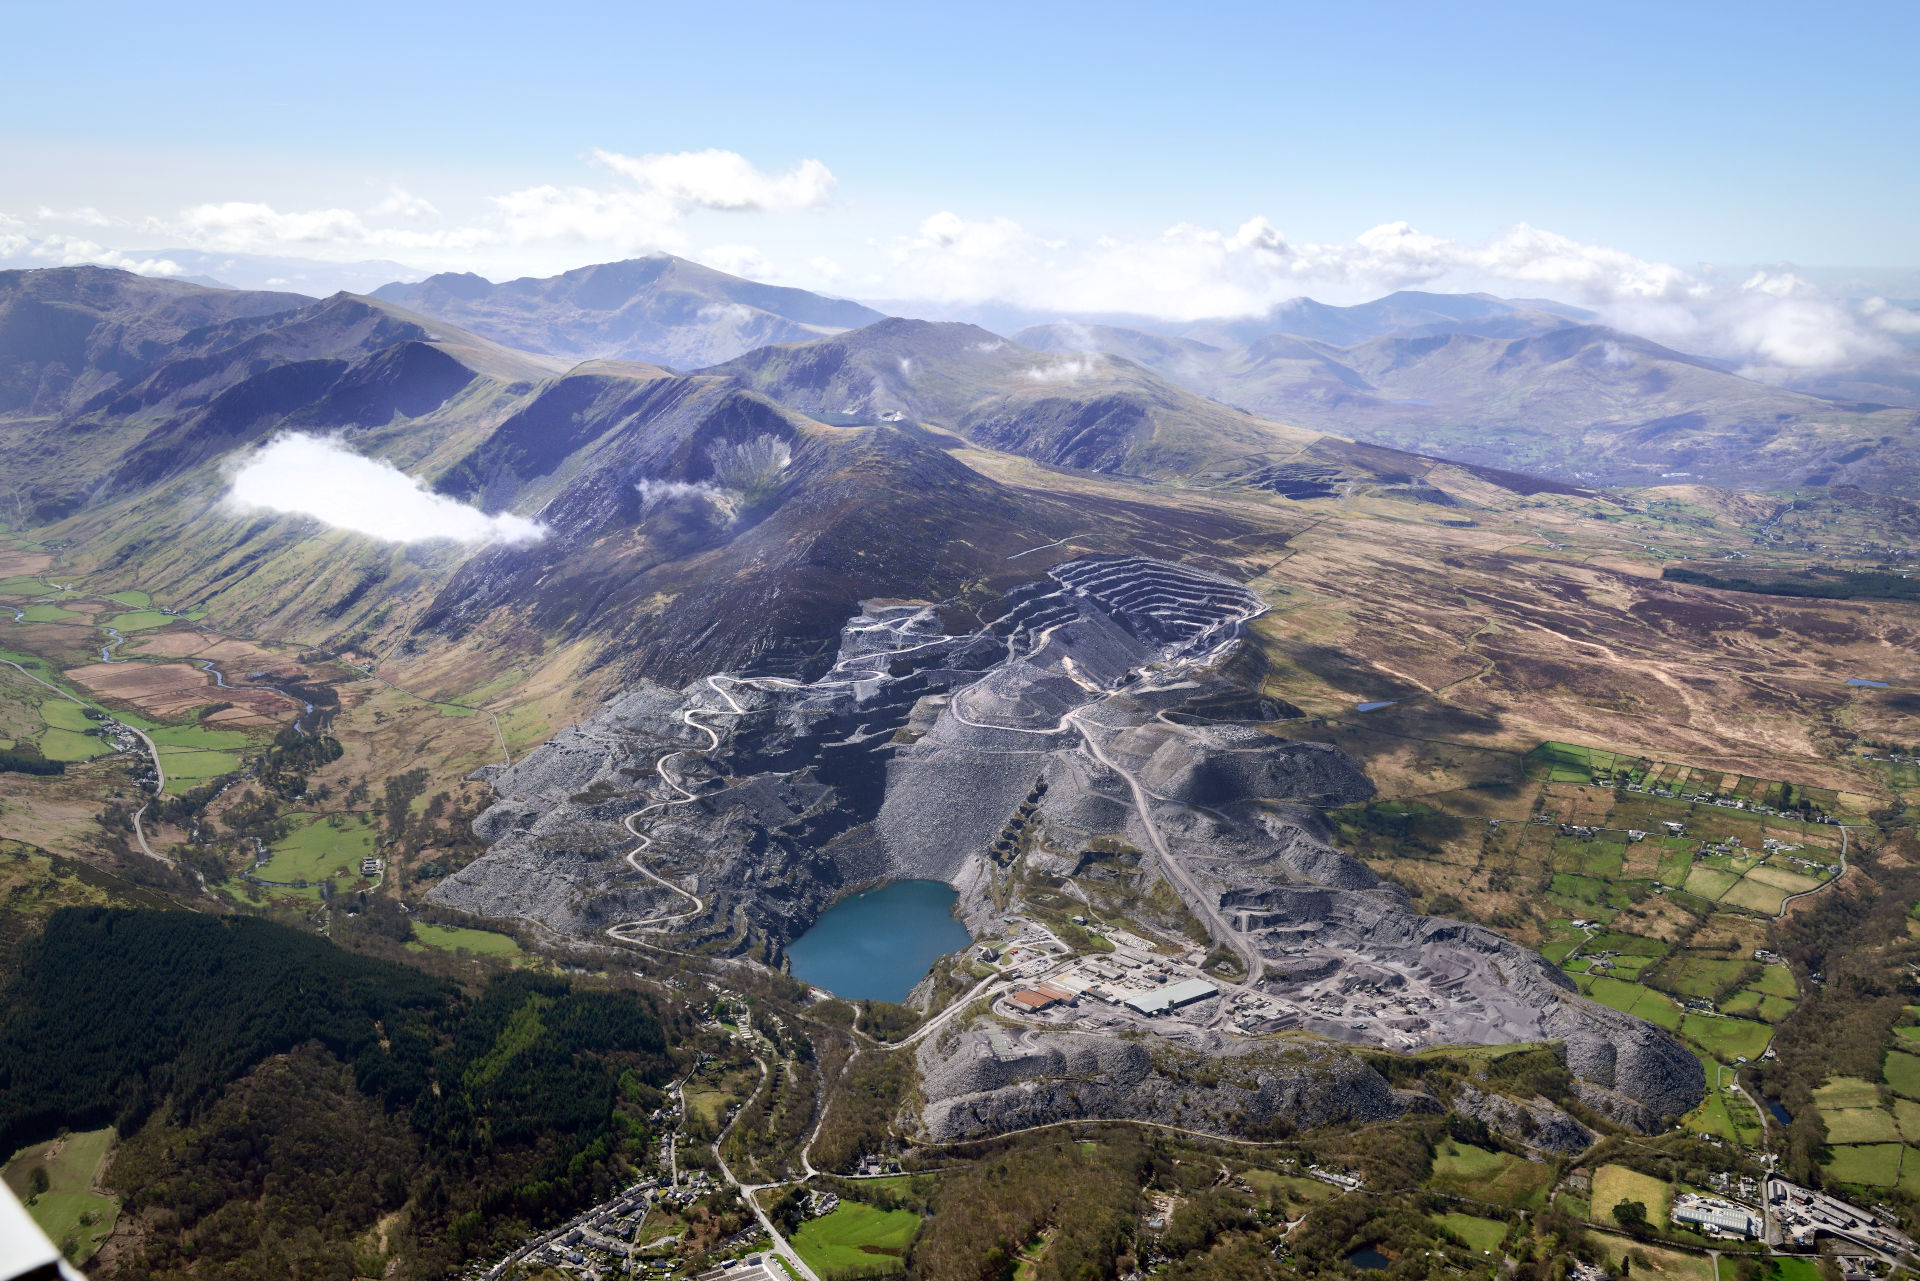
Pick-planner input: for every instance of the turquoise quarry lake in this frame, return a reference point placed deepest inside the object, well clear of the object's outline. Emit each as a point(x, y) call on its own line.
point(875, 946)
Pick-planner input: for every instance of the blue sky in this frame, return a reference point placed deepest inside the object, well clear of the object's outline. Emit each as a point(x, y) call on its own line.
point(1664, 135)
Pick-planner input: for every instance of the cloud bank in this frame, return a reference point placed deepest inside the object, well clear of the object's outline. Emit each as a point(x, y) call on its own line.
point(1772, 322)
point(319, 477)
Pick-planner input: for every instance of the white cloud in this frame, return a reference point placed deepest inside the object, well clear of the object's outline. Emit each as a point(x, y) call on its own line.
point(405, 204)
point(319, 477)
point(738, 260)
point(715, 179)
point(731, 313)
point(661, 191)
point(1190, 272)
point(1065, 371)
point(1614, 356)
point(57, 250)
point(1774, 321)
point(1894, 319)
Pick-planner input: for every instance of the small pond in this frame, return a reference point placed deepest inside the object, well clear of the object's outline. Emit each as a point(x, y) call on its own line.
point(1371, 707)
point(1368, 1259)
point(876, 945)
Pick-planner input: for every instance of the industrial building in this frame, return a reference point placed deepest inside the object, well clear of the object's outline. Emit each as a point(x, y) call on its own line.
point(1718, 1216)
point(1171, 997)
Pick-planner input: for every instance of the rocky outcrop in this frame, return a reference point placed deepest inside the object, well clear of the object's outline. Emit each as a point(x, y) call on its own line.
point(1538, 1123)
point(988, 1081)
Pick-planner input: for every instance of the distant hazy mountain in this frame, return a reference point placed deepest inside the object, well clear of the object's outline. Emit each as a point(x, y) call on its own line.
point(314, 277)
point(1517, 386)
point(1397, 312)
point(1093, 412)
point(661, 310)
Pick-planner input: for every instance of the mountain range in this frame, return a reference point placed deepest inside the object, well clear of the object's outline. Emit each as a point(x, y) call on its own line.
point(1523, 384)
point(659, 309)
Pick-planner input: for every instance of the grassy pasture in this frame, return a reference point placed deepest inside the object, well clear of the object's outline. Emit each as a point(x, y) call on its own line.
point(1768, 1009)
point(1652, 1261)
point(856, 1235)
point(67, 745)
point(1873, 1164)
point(1846, 1092)
point(192, 764)
point(1902, 1072)
point(74, 1216)
point(1860, 1125)
point(64, 714)
point(1484, 1235)
point(321, 847)
point(1613, 1184)
point(1726, 1039)
point(1497, 1177)
point(453, 938)
point(140, 620)
point(131, 599)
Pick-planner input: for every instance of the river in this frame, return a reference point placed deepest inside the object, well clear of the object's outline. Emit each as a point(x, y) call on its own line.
point(876, 945)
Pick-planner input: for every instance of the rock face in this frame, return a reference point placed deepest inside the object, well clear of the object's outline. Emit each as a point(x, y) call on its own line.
point(1065, 732)
point(985, 1081)
point(1538, 1124)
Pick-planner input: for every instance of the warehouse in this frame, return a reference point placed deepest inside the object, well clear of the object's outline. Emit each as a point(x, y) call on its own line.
point(1171, 997)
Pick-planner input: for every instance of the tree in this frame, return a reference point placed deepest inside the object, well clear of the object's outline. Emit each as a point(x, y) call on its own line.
point(1632, 1216)
point(37, 1182)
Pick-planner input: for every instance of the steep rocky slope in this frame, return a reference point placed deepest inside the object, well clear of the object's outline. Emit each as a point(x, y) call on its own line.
point(1096, 413)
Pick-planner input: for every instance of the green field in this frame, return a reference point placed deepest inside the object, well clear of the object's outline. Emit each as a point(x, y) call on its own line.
point(191, 764)
point(66, 745)
point(1484, 1235)
point(321, 847)
point(1631, 998)
point(1874, 1164)
point(140, 620)
point(1902, 1072)
point(1860, 1125)
point(132, 599)
point(1613, 1184)
point(1846, 1092)
point(1777, 1269)
point(1768, 1009)
point(64, 714)
point(1726, 1039)
point(856, 1236)
point(453, 938)
point(206, 740)
point(20, 585)
point(70, 1212)
point(1712, 1117)
point(1701, 976)
point(1497, 1177)
point(45, 613)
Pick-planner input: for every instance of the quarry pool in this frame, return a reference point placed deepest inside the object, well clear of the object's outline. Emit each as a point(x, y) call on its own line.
point(875, 946)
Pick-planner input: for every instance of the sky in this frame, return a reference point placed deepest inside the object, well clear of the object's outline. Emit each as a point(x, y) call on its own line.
point(1683, 167)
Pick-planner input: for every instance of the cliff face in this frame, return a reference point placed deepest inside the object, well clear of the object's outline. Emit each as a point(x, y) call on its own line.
point(986, 1081)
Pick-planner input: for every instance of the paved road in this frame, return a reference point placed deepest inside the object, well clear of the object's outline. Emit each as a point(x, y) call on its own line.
point(159, 771)
point(747, 1190)
point(1177, 871)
